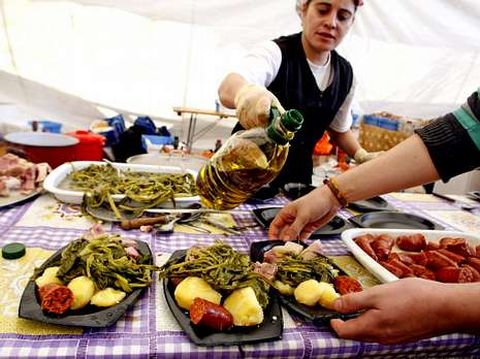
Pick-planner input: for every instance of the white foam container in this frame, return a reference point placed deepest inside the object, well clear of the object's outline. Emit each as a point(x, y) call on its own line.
point(377, 269)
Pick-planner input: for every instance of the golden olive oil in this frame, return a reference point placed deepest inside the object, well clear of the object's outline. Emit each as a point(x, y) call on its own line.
point(247, 161)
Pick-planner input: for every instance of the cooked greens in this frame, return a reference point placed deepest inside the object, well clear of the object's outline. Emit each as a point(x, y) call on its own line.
point(293, 270)
point(104, 260)
point(221, 266)
point(142, 190)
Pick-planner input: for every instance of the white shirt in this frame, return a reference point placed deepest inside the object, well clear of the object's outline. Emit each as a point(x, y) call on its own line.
point(262, 64)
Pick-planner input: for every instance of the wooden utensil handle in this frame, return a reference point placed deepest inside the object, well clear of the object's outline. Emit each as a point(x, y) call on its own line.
point(138, 222)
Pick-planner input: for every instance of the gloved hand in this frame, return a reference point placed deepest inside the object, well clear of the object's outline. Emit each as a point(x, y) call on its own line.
point(253, 106)
point(363, 156)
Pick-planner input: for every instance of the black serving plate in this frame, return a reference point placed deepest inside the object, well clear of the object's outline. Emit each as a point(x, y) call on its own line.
point(336, 226)
point(295, 190)
point(394, 220)
point(318, 315)
point(263, 195)
point(90, 316)
point(270, 329)
point(372, 204)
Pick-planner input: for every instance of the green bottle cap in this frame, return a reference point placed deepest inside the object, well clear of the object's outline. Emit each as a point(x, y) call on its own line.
point(292, 120)
point(13, 251)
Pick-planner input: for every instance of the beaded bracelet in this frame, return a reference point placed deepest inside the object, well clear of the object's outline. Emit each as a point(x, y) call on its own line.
point(333, 186)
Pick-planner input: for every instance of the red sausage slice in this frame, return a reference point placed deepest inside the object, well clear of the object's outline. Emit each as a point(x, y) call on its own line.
point(344, 284)
point(55, 298)
point(211, 315)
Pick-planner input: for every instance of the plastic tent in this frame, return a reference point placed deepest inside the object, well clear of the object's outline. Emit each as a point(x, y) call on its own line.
point(76, 61)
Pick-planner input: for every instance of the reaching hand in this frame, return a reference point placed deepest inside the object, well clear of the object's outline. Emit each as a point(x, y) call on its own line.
point(300, 218)
point(253, 106)
point(362, 155)
point(405, 310)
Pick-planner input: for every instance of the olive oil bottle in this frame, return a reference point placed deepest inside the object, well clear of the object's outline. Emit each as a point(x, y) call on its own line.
point(247, 160)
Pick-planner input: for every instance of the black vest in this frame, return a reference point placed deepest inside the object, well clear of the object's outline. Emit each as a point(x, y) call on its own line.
point(296, 88)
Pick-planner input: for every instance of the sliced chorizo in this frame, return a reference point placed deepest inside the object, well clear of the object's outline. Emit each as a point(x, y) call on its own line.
point(474, 262)
point(412, 243)
point(457, 245)
point(55, 298)
point(418, 258)
point(211, 315)
point(392, 269)
point(345, 284)
point(364, 242)
point(432, 246)
point(468, 274)
point(457, 258)
point(402, 258)
point(382, 246)
point(436, 260)
point(406, 271)
point(447, 274)
point(422, 272)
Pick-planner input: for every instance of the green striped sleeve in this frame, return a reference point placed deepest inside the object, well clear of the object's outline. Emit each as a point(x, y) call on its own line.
point(468, 121)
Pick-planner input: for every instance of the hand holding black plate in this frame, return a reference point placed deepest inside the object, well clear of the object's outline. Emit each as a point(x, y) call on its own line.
point(318, 315)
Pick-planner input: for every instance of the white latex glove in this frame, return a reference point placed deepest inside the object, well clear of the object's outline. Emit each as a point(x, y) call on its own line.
point(363, 156)
point(253, 104)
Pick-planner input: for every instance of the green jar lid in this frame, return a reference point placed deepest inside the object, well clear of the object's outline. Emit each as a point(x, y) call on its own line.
point(13, 251)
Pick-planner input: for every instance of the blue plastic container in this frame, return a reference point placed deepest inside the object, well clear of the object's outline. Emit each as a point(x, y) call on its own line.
point(156, 140)
point(381, 122)
point(48, 126)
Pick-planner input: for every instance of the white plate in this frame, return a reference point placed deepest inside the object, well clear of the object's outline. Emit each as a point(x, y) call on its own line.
point(375, 268)
point(16, 197)
point(58, 175)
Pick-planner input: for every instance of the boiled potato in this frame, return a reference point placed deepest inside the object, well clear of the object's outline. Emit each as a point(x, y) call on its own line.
point(283, 288)
point(328, 295)
point(244, 307)
point(82, 288)
point(194, 287)
point(308, 292)
point(107, 297)
point(49, 276)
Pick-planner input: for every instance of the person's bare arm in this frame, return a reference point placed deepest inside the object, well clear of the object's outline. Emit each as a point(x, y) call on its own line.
point(407, 164)
point(229, 88)
point(346, 141)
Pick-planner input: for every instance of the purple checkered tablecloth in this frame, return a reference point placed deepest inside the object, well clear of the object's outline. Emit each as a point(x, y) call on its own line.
point(148, 330)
